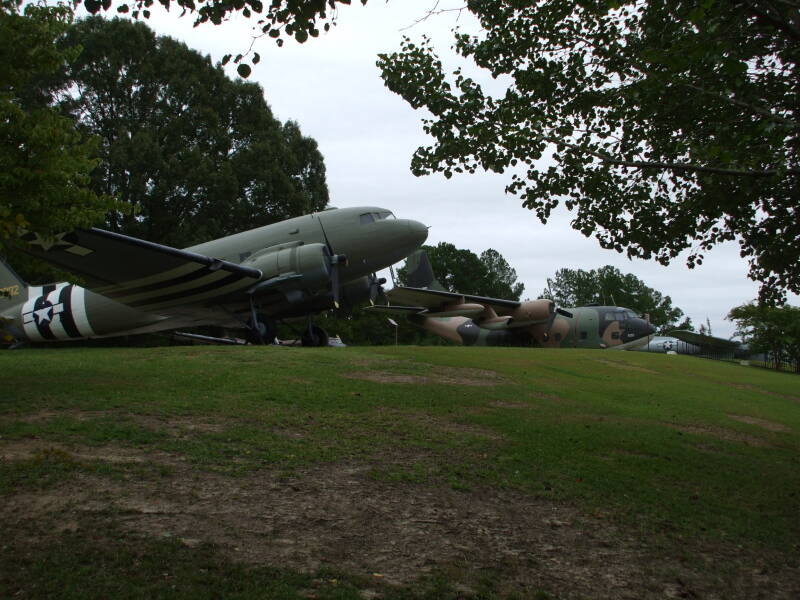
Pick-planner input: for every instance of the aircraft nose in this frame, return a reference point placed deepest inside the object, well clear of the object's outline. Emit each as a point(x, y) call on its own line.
point(418, 232)
point(643, 328)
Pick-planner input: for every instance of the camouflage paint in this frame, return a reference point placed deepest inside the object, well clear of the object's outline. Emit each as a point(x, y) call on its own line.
point(588, 327)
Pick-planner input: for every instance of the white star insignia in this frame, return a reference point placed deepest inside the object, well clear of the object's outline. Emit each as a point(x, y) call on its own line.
point(44, 315)
point(46, 243)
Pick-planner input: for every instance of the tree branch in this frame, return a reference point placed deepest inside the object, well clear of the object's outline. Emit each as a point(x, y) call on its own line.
point(638, 164)
point(754, 108)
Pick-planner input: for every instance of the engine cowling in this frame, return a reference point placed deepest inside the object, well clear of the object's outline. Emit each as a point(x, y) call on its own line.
point(312, 261)
point(533, 311)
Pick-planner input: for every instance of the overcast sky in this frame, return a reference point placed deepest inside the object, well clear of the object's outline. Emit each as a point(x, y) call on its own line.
point(332, 88)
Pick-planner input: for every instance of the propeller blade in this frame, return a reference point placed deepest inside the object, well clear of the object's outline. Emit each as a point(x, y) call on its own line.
point(564, 313)
point(376, 288)
point(337, 260)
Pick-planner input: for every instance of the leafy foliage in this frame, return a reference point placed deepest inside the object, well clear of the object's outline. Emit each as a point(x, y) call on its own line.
point(665, 126)
point(460, 270)
point(193, 154)
point(275, 18)
point(772, 330)
point(608, 285)
point(44, 162)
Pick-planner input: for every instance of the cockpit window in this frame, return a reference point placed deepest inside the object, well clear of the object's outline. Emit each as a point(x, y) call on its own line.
point(631, 314)
point(618, 315)
point(375, 216)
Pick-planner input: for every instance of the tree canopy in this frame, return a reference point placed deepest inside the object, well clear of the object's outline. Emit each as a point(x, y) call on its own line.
point(273, 18)
point(608, 285)
point(193, 154)
point(44, 162)
point(772, 330)
point(460, 270)
point(664, 125)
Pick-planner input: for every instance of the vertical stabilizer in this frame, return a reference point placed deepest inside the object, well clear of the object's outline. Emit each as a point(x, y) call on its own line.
point(419, 273)
point(12, 288)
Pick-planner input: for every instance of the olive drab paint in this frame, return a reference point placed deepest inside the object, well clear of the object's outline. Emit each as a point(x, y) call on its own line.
point(294, 268)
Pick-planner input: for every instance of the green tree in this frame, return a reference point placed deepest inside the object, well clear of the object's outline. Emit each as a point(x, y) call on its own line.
point(608, 285)
point(501, 278)
point(192, 153)
point(664, 125)
point(772, 330)
point(460, 270)
point(274, 19)
point(44, 162)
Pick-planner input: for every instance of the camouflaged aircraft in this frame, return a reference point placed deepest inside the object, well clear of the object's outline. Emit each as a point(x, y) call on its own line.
point(250, 280)
point(478, 321)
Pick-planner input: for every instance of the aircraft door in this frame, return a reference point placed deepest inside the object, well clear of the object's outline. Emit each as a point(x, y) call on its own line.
point(587, 329)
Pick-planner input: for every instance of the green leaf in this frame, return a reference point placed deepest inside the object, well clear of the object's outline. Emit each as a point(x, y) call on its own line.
point(243, 70)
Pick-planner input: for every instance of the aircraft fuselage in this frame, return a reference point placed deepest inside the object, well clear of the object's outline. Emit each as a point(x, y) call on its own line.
point(588, 327)
point(285, 268)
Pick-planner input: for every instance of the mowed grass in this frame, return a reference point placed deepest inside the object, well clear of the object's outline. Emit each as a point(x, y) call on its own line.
point(670, 447)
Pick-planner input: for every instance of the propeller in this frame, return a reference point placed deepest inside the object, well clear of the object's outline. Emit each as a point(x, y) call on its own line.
point(376, 290)
point(337, 261)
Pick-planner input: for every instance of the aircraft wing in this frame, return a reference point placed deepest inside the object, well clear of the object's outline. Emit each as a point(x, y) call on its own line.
point(436, 300)
point(698, 339)
point(391, 309)
point(139, 273)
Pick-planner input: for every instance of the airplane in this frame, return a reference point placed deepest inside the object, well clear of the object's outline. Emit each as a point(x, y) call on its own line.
point(251, 280)
point(681, 341)
point(479, 321)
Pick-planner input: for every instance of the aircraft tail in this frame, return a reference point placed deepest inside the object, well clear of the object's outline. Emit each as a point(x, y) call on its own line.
point(12, 288)
point(419, 273)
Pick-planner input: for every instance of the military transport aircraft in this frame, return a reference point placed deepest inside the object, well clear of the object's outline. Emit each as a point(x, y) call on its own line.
point(479, 321)
point(250, 280)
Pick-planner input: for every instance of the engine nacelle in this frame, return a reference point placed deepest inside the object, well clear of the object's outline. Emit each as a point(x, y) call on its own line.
point(356, 292)
point(533, 311)
point(312, 261)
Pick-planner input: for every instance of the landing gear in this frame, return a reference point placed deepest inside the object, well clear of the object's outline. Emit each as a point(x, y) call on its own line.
point(261, 330)
point(314, 336)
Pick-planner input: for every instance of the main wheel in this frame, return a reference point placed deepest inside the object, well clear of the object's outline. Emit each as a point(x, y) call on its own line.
point(263, 332)
point(314, 336)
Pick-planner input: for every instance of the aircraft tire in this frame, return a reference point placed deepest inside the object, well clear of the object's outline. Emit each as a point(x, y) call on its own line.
point(264, 333)
point(314, 336)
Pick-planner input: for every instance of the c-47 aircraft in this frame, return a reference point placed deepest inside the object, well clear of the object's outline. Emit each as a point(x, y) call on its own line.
point(479, 321)
point(250, 280)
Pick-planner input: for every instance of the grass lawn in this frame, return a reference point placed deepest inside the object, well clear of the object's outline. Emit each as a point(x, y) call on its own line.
point(408, 472)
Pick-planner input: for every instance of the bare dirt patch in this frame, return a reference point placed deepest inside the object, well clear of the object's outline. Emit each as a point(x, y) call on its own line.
point(753, 388)
point(721, 433)
point(546, 396)
point(507, 404)
point(336, 515)
point(453, 376)
point(764, 423)
point(26, 449)
point(625, 366)
point(172, 424)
